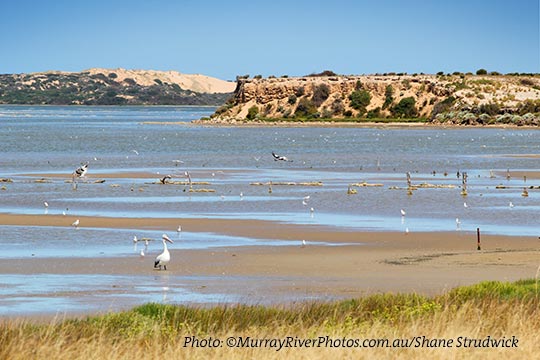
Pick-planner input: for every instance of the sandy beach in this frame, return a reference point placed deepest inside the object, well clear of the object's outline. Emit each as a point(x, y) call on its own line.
point(370, 262)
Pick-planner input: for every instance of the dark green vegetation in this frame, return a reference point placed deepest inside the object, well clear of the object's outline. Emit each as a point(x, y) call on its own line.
point(98, 89)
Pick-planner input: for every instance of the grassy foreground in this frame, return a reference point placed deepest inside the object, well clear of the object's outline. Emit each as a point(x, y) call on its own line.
point(152, 331)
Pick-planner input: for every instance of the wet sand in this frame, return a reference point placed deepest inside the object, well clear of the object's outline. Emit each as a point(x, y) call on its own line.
point(426, 263)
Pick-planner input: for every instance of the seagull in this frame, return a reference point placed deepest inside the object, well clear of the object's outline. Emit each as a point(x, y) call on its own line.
point(406, 231)
point(511, 205)
point(163, 258)
point(46, 204)
point(304, 243)
point(279, 157)
point(135, 151)
point(304, 202)
point(306, 198)
point(312, 210)
point(81, 170)
point(402, 212)
point(179, 228)
point(76, 223)
point(465, 205)
point(142, 253)
point(135, 240)
point(256, 158)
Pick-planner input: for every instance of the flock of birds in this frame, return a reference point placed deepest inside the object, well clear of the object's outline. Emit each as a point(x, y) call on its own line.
point(164, 257)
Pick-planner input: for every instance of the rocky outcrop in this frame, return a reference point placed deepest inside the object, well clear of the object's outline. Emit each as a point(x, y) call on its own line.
point(437, 98)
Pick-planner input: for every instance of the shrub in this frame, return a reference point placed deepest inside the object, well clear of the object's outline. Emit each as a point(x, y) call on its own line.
point(490, 109)
point(324, 73)
point(252, 112)
point(347, 113)
point(292, 99)
point(337, 107)
point(405, 108)
point(389, 93)
point(300, 91)
point(360, 99)
point(442, 106)
point(113, 75)
point(258, 76)
point(481, 72)
point(375, 113)
point(320, 94)
point(358, 85)
point(305, 108)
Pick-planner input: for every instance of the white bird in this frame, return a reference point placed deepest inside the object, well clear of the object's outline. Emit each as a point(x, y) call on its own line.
point(81, 170)
point(458, 224)
point(406, 231)
point(146, 242)
point(163, 258)
point(135, 239)
point(312, 210)
point(465, 205)
point(46, 204)
point(511, 205)
point(76, 223)
point(402, 212)
point(179, 228)
point(304, 202)
point(279, 157)
point(142, 253)
point(306, 198)
point(135, 151)
point(64, 213)
point(303, 243)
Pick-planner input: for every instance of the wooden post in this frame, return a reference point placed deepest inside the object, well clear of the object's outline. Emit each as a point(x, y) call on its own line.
point(478, 238)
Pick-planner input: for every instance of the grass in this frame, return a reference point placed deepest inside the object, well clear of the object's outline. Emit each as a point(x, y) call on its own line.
point(344, 120)
point(155, 331)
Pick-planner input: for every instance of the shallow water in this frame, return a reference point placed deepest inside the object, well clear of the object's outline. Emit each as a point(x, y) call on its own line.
point(122, 140)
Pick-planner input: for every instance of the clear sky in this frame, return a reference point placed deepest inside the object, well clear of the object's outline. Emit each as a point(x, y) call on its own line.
point(274, 37)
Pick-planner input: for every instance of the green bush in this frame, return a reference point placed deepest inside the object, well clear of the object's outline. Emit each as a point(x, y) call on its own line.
point(305, 108)
point(389, 96)
point(252, 112)
point(481, 72)
point(490, 109)
point(360, 99)
point(405, 108)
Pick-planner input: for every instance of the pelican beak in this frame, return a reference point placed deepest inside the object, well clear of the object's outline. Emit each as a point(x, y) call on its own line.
point(166, 238)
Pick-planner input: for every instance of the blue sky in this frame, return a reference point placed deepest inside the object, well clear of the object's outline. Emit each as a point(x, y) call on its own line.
point(278, 37)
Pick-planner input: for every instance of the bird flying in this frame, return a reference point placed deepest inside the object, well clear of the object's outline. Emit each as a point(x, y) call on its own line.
point(81, 170)
point(279, 157)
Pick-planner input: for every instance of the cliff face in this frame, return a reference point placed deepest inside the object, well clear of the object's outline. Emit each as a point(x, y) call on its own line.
point(407, 96)
point(113, 87)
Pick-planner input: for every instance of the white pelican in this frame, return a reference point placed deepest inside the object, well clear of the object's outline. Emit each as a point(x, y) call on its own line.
point(76, 223)
point(403, 212)
point(163, 258)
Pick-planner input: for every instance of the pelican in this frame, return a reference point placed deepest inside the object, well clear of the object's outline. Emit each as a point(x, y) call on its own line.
point(402, 212)
point(163, 258)
point(76, 223)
